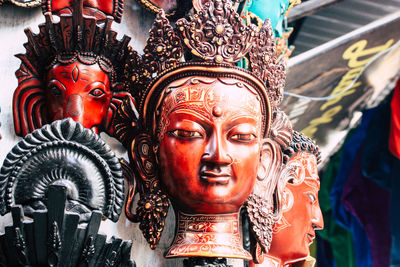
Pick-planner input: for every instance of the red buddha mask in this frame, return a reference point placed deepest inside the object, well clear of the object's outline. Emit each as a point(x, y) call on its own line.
point(210, 137)
point(78, 91)
point(204, 146)
point(199, 136)
point(301, 214)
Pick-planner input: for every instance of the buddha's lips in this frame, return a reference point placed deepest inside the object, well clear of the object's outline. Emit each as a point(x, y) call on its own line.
point(310, 238)
point(214, 177)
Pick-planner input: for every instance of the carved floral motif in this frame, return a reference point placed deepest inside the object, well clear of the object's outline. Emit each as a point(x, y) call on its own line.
point(216, 33)
point(207, 235)
point(264, 63)
point(261, 216)
point(151, 213)
point(163, 49)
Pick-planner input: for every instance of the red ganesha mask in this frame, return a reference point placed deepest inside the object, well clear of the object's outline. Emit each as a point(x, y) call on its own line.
point(78, 75)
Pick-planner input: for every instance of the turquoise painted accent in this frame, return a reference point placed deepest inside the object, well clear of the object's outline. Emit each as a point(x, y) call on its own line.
point(270, 9)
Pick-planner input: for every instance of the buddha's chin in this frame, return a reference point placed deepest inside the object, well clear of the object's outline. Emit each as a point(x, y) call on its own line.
point(208, 207)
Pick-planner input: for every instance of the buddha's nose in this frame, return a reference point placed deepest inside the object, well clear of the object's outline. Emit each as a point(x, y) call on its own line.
point(216, 152)
point(74, 105)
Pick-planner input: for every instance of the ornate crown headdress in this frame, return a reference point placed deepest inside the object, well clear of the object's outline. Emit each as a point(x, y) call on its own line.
point(75, 37)
point(210, 44)
point(301, 143)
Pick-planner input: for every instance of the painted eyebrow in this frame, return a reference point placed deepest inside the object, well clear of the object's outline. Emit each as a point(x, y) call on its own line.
point(239, 120)
point(239, 117)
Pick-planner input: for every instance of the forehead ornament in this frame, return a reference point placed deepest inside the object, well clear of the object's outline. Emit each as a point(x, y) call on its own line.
point(217, 111)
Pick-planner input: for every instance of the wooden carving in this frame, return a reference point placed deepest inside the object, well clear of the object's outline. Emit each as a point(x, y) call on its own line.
point(99, 9)
point(63, 153)
point(217, 34)
point(72, 68)
point(163, 49)
point(301, 215)
point(55, 238)
point(199, 132)
point(23, 3)
point(263, 206)
point(264, 54)
point(174, 9)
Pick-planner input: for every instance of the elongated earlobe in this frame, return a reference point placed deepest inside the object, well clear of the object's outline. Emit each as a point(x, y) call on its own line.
point(153, 204)
point(270, 160)
point(262, 198)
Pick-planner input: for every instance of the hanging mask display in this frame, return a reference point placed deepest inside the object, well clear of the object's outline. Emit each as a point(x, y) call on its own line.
point(300, 214)
point(199, 129)
point(73, 68)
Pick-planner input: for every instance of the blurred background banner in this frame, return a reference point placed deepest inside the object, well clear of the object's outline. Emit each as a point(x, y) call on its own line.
point(328, 83)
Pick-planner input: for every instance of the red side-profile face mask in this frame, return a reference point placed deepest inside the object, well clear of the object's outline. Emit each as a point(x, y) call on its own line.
point(78, 91)
point(301, 214)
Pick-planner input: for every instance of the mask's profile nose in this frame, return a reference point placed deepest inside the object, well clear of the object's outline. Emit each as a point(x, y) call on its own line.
point(318, 219)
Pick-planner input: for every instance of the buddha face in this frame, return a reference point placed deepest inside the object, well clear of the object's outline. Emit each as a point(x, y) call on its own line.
point(210, 136)
point(78, 91)
point(301, 214)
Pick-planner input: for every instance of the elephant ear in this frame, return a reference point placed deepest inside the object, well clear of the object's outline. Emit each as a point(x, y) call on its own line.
point(263, 206)
point(29, 110)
